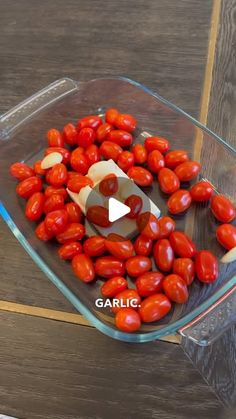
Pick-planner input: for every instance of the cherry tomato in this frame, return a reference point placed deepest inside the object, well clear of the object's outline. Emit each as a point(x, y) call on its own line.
point(125, 122)
point(63, 151)
point(201, 191)
point(127, 320)
point(78, 181)
point(154, 307)
point(166, 226)
point(182, 244)
point(157, 143)
point(125, 160)
point(135, 203)
point(138, 265)
point(140, 176)
point(74, 212)
point(70, 134)
point(175, 288)
point(223, 209)
point(86, 137)
point(42, 233)
point(119, 247)
point(175, 158)
point(53, 202)
point(184, 267)
point(72, 232)
point(110, 150)
point(95, 246)
point(92, 154)
point(47, 175)
point(68, 250)
point(98, 215)
point(58, 175)
point(103, 131)
point(206, 266)
point(126, 299)
point(79, 161)
point(226, 235)
point(180, 201)
point(122, 138)
point(29, 186)
point(155, 161)
point(113, 286)
point(111, 115)
point(163, 255)
point(147, 224)
point(149, 283)
point(109, 266)
point(140, 154)
point(37, 168)
point(21, 171)
point(91, 121)
point(55, 139)
point(56, 221)
point(83, 267)
point(34, 206)
point(168, 181)
point(143, 246)
point(187, 171)
point(108, 185)
point(51, 190)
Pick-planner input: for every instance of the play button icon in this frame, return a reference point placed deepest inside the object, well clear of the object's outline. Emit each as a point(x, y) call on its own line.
point(116, 209)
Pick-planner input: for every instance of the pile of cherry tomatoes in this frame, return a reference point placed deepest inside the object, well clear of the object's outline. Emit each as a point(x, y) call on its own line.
point(113, 257)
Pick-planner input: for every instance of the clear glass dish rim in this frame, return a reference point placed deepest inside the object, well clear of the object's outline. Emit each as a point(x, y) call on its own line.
point(71, 297)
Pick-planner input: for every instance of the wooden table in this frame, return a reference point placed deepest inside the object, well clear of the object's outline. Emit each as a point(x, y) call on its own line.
point(51, 364)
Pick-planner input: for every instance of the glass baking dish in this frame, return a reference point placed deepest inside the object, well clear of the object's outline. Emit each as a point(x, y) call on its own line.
point(210, 308)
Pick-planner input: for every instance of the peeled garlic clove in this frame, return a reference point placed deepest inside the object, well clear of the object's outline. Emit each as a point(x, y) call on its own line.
point(84, 195)
point(50, 160)
point(230, 256)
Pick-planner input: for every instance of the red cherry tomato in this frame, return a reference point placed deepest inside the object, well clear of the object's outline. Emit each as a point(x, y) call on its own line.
point(34, 206)
point(180, 201)
point(47, 175)
point(140, 154)
point(98, 215)
point(125, 160)
point(157, 143)
point(127, 320)
point(95, 246)
point(103, 131)
point(37, 168)
point(187, 171)
point(182, 244)
point(168, 181)
point(126, 299)
point(56, 221)
point(111, 115)
point(223, 209)
point(166, 226)
point(149, 283)
point(74, 212)
point(21, 171)
point(147, 224)
point(91, 121)
point(53, 202)
point(138, 265)
point(143, 246)
point(201, 191)
point(86, 137)
point(83, 267)
point(175, 288)
point(55, 139)
point(154, 307)
point(110, 150)
point(70, 134)
point(206, 266)
point(113, 286)
point(122, 138)
point(58, 175)
point(63, 151)
point(51, 190)
point(175, 158)
point(108, 185)
point(125, 122)
point(78, 181)
point(140, 176)
point(155, 161)
point(226, 235)
point(29, 186)
point(72, 232)
point(109, 266)
point(68, 250)
point(163, 255)
point(135, 203)
point(184, 267)
point(42, 233)
point(92, 154)
point(119, 247)
point(79, 161)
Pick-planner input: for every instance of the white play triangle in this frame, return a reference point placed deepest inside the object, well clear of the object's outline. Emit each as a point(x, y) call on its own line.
point(116, 209)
